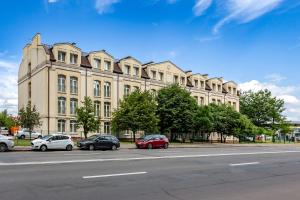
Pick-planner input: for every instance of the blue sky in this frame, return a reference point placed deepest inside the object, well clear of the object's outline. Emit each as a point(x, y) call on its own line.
point(253, 42)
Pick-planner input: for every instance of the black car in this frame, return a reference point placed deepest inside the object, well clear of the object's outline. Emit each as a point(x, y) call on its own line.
point(102, 142)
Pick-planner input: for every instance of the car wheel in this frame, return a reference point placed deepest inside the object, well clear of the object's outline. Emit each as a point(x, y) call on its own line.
point(43, 148)
point(91, 147)
point(166, 145)
point(69, 147)
point(3, 147)
point(150, 146)
point(114, 147)
point(22, 137)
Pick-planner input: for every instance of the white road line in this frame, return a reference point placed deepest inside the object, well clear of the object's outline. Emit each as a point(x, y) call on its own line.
point(243, 164)
point(141, 158)
point(112, 175)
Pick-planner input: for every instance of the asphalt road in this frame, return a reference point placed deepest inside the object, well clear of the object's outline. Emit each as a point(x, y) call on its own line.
point(250, 173)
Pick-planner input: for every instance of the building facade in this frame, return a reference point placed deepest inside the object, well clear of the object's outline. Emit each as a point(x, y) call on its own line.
point(56, 79)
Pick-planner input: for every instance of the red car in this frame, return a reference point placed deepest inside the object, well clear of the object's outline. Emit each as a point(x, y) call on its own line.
point(152, 141)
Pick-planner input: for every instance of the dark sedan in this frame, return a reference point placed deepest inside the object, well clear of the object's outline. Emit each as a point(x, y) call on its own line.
point(103, 142)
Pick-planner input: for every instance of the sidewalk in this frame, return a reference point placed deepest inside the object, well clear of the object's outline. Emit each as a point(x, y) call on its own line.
point(189, 145)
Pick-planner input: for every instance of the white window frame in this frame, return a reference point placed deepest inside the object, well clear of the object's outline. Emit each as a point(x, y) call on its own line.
point(107, 108)
point(107, 65)
point(61, 56)
point(107, 89)
point(97, 88)
point(61, 105)
point(73, 58)
point(61, 81)
point(73, 106)
point(73, 85)
point(61, 126)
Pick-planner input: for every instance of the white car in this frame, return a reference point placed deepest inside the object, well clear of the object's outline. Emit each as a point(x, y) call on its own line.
point(55, 141)
point(6, 143)
point(24, 133)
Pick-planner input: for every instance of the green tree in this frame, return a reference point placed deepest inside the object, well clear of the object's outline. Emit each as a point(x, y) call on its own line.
point(29, 118)
point(285, 128)
point(262, 108)
point(245, 128)
point(203, 122)
point(86, 118)
point(225, 120)
point(137, 112)
point(176, 111)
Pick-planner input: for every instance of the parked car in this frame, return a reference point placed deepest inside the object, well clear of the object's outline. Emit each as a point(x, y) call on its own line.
point(55, 141)
point(152, 141)
point(103, 142)
point(6, 143)
point(24, 133)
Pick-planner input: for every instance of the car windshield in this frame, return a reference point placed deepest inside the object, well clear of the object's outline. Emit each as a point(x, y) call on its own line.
point(46, 137)
point(93, 137)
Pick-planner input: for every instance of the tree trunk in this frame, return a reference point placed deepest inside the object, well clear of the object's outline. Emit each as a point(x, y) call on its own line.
point(134, 136)
point(85, 134)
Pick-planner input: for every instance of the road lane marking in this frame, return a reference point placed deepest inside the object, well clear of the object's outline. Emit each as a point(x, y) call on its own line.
point(140, 158)
point(243, 164)
point(112, 175)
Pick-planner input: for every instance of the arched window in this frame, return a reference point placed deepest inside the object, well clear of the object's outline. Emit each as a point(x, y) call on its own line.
point(61, 105)
point(73, 85)
point(73, 106)
point(61, 83)
point(107, 89)
point(97, 88)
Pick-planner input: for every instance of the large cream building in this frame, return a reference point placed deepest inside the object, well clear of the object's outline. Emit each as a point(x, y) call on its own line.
point(56, 78)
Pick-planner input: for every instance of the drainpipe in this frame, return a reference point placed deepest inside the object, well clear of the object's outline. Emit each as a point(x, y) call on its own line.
point(49, 97)
point(86, 82)
point(118, 89)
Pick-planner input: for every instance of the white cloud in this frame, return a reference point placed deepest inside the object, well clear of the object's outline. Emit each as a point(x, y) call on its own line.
point(8, 86)
point(201, 6)
point(245, 11)
point(290, 94)
point(52, 1)
point(105, 6)
point(275, 77)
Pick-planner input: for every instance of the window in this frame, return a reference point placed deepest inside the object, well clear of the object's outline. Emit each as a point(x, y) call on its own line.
point(106, 109)
point(73, 106)
point(219, 88)
point(73, 58)
point(234, 90)
point(213, 100)
point(219, 102)
point(61, 56)
point(29, 90)
point(61, 83)
point(175, 79)
point(135, 71)
point(135, 88)
point(229, 90)
point(127, 69)
point(126, 90)
point(107, 65)
point(161, 76)
point(97, 63)
point(61, 126)
point(73, 126)
point(229, 103)
point(202, 84)
point(202, 100)
point(182, 80)
point(106, 127)
point(214, 86)
point(73, 85)
point(97, 88)
point(234, 105)
point(196, 83)
point(61, 105)
point(29, 68)
point(153, 75)
point(107, 89)
point(97, 107)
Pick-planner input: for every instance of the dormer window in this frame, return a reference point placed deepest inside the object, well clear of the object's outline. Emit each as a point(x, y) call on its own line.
point(214, 86)
point(229, 89)
point(202, 84)
point(196, 83)
point(73, 58)
point(97, 63)
point(107, 65)
point(175, 79)
point(135, 71)
point(182, 80)
point(127, 69)
point(153, 75)
point(161, 76)
point(61, 56)
point(219, 88)
point(234, 90)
